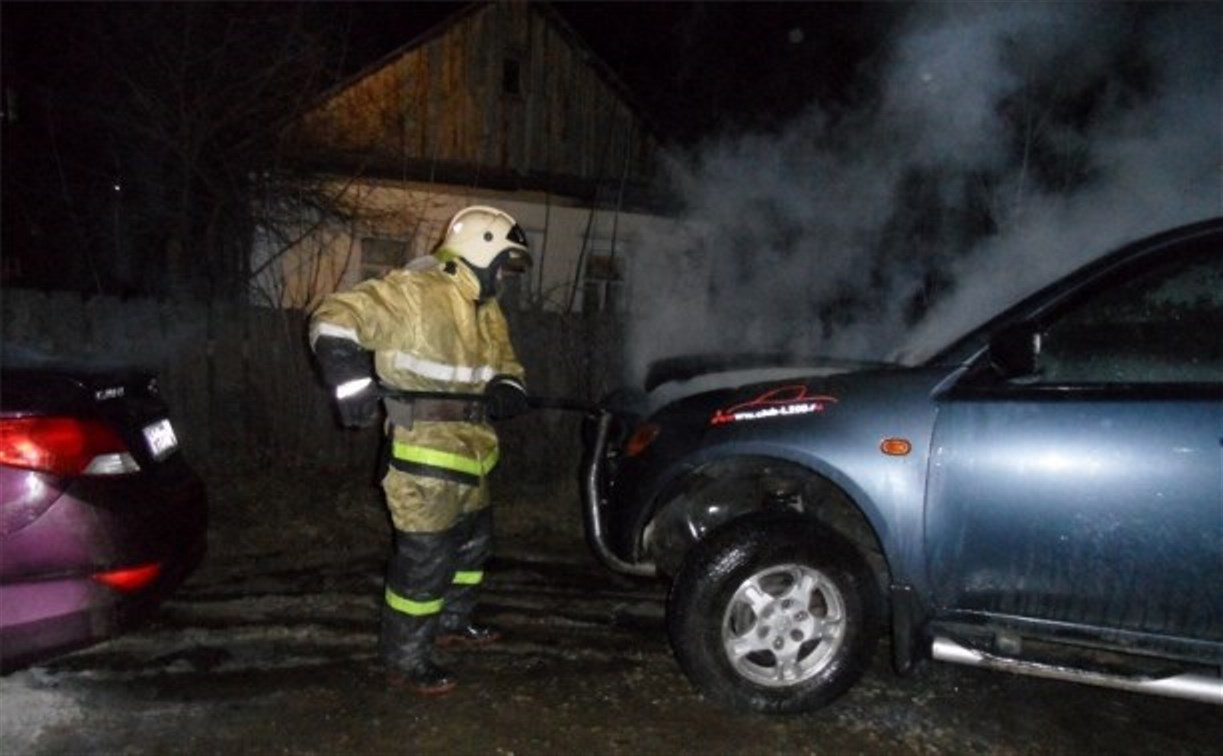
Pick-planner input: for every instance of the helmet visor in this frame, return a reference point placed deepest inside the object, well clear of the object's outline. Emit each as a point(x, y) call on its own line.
point(518, 260)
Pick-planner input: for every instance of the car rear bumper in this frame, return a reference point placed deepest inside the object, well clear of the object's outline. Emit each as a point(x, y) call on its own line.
point(50, 601)
point(65, 614)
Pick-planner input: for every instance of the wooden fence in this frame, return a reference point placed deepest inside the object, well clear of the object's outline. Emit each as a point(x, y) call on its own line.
point(241, 386)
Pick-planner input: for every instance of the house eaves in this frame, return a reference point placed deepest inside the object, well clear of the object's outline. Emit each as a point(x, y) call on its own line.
point(632, 196)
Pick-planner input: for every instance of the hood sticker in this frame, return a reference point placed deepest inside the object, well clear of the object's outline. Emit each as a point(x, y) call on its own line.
point(786, 401)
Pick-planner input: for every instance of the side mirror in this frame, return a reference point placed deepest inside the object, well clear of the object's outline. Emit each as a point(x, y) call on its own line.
point(1014, 349)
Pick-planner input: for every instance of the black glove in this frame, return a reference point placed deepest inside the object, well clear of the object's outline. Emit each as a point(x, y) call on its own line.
point(349, 370)
point(505, 397)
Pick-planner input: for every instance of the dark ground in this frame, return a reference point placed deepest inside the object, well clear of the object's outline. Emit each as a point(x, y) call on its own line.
point(270, 648)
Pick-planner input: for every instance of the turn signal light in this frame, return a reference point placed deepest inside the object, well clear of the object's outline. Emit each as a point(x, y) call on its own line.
point(895, 447)
point(64, 446)
point(129, 579)
point(642, 437)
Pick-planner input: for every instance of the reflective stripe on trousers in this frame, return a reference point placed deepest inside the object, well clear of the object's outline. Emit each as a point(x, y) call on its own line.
point(408, 606)
point(421, 460)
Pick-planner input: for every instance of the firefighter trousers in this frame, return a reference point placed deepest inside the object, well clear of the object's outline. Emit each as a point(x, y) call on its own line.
point(431, 584)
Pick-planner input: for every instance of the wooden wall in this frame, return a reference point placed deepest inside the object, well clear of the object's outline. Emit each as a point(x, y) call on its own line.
point(443, 102)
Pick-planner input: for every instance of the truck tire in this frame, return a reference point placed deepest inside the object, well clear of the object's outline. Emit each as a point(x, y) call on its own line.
point(773, 613)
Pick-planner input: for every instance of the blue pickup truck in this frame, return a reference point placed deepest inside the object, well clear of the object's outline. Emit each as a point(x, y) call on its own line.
point(1044, 495)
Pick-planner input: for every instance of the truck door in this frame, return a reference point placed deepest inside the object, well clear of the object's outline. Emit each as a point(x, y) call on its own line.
point(1090, 492)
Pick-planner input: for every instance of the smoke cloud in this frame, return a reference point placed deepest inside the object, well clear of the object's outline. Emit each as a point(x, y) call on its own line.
point(1002, 145)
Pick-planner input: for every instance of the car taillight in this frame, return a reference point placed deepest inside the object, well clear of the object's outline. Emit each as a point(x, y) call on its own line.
point(64, 446)
point(129, 579)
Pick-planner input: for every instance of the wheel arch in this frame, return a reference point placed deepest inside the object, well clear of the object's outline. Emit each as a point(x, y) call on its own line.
point(725, 487)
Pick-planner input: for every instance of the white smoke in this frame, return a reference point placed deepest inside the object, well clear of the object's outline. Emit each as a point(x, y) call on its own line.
point(1006, 145)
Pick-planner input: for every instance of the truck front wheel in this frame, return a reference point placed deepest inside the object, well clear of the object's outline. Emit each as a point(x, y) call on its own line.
point(772, 613)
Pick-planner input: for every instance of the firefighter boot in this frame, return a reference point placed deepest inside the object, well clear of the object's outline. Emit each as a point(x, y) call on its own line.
point(469, 634)
point(405, 645)
point(424, 678)
point(474, 534)
point(416, 579)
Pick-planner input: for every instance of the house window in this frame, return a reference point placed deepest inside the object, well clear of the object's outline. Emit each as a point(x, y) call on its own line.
point(511, 77)
point(603, 284)
point(380, 255)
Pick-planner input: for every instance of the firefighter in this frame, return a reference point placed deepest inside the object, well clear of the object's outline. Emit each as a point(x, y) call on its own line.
point(432, 326)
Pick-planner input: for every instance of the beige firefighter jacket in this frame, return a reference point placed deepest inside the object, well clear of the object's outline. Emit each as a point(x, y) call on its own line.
point(428, 332)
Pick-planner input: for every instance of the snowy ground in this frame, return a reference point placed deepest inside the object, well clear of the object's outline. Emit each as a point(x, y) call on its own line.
point(270, 648)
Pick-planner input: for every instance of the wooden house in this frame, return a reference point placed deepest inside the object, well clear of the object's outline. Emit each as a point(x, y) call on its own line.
point(501, 104)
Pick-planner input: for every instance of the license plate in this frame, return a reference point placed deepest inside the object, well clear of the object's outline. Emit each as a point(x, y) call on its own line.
point(161, 439)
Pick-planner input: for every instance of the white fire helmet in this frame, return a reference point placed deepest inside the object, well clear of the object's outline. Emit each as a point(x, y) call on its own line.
point(480, 234)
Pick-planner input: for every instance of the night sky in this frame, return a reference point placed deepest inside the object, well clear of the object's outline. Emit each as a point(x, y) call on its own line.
point(697, 68)
point(707, 68)
point(96, 176)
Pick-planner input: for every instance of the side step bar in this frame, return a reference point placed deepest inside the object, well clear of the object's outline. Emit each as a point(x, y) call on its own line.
point(1195, 687)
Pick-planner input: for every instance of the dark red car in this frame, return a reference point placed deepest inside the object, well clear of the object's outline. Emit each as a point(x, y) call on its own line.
point(101, 518)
